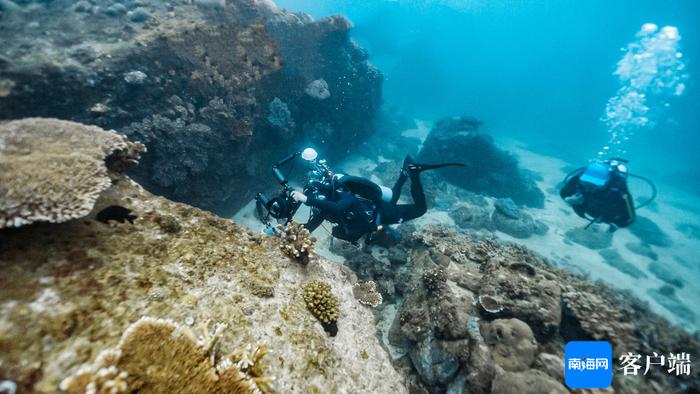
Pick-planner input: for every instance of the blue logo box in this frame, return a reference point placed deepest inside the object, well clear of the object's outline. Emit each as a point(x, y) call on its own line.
point(588, 364)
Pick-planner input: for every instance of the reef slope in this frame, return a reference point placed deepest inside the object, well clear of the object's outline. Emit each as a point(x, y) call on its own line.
point(70, 290)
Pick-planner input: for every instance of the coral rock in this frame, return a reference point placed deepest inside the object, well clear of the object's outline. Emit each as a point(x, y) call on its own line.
point(490, 169)
point(512, 343)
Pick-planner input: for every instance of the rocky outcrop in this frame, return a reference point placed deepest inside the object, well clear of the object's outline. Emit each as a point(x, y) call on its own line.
point(474, 315)
point(225, 308)
point(490, 169)
point(510, 219)
point(205, 85)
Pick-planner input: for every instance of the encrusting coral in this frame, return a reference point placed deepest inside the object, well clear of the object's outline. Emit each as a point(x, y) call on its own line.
point(297, 242)
point(159, 356)
point(54, 171)
point(366, 293)
point(322, 303)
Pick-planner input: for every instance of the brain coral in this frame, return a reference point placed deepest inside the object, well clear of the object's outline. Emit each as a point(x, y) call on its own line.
point(53, 170)
point(320, 301)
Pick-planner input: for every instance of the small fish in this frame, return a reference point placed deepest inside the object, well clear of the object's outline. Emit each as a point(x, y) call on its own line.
point(116, 212)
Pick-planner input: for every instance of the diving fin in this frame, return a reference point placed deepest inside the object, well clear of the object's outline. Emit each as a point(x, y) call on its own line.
point(411, 167)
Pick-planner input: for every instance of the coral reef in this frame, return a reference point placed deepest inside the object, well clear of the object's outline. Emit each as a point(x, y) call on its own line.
point(297, 242)
point(54, 171)
point(508, 218)
point(367, 294)
point(159, 356)
point(479, 316)
point(513, 346)
point(490, 170)
point(322, 303)
point(472, 217)
point(70, 290)
point(192, 80)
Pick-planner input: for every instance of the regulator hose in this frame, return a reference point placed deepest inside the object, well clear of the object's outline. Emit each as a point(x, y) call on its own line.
point(653, 191)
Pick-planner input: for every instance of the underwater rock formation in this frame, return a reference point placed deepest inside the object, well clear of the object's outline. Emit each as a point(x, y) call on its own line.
point(472, 217)
point(510, 219)
point(475, 315)
point(69, 291)
point(193, 81)
point(490, 169)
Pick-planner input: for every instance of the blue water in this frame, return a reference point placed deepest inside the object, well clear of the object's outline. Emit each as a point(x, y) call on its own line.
point(538, 71)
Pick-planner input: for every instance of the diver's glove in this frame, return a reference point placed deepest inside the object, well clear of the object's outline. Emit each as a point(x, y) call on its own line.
point(575, 199)
point(299, 196)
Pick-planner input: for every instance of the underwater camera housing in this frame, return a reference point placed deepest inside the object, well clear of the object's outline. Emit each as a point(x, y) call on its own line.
point(282, 206)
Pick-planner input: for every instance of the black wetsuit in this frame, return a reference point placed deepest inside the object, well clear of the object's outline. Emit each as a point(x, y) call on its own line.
point(610, 203)
point(359, 212)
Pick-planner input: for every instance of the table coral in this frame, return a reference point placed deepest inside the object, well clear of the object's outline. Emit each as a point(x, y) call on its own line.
point(366, 293)
point(54, 171)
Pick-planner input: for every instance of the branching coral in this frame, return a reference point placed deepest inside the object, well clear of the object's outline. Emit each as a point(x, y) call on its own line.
point(159, 356)
point(53, 170)
point(434, 279)
point(297, 242)
point(321, 302)
point(366, 293)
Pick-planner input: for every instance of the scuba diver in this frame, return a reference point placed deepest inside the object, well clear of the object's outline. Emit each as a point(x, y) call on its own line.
point(356, 205)
point(359, 206)
point(599, 193)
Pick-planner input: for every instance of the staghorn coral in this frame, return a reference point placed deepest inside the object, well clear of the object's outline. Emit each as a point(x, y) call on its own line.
point(366, 293)
point(159, 356)
point(322, 303)
point(54, 171)
point(297, 242)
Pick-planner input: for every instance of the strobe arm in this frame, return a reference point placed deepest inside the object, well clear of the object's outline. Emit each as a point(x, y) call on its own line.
point(276, 168)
